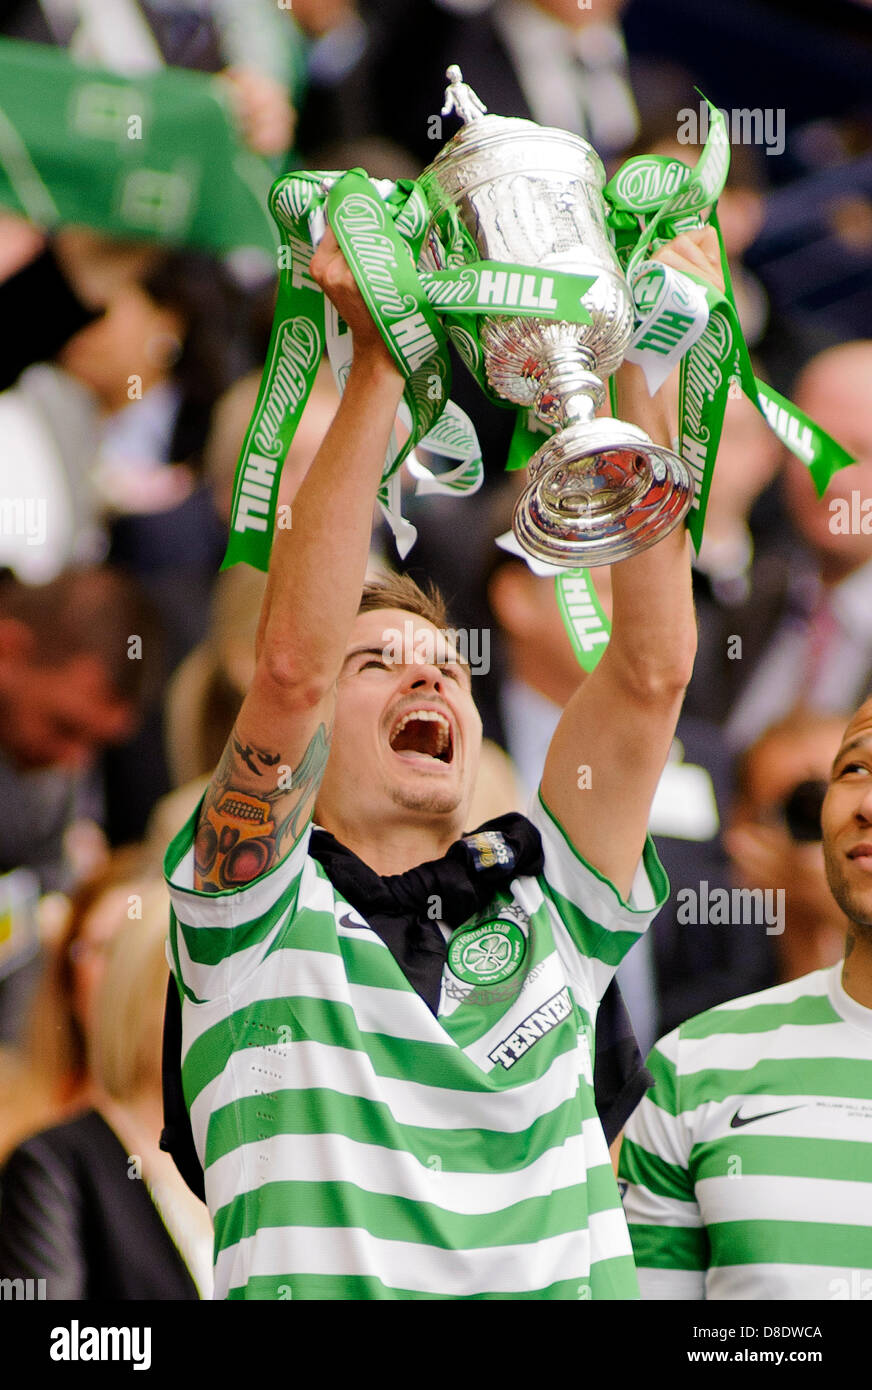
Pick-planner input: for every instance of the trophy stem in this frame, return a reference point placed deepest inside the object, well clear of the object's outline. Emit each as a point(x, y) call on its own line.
point(570, 392)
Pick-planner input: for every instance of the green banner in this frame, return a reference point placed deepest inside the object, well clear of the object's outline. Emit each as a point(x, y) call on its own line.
point(493, 286)
point(157, 157)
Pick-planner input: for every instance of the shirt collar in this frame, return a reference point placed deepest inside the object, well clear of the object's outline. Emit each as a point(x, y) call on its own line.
point(847, 1008)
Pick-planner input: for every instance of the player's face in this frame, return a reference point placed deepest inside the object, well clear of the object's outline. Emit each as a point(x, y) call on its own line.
point(407, 734)
point(847, 821)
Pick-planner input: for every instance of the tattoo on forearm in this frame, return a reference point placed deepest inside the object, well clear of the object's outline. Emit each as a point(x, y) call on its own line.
point(306, 778)
point(241, 833)
point(248, 754)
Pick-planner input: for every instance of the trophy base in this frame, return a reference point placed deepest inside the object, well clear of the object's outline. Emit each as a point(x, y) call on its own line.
point(598, 493)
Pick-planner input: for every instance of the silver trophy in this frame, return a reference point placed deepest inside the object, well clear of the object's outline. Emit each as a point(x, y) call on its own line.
point(599, 490)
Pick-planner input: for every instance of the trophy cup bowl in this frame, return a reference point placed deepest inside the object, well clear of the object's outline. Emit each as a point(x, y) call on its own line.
point(598, 490)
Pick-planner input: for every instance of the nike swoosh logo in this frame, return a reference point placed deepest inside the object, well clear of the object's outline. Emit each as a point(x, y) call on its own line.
point(348, 921)
point(739, 1120)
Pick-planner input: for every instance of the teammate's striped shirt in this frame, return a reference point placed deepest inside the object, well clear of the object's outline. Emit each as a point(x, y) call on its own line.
point(354, 1145)
point(749, 1162)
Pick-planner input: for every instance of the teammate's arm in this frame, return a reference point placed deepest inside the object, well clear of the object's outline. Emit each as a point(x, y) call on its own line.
point(666, 1224)
point(263, 791)
point(621, 720)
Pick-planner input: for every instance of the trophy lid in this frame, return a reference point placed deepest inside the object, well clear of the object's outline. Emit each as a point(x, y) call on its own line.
point(481, 131)
point(478, 127)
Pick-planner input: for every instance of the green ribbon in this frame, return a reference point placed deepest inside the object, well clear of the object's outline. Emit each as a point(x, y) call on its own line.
point(651, 200)
point(586, 624)
point(381, 264)
point(295, 349)
point(378, 239)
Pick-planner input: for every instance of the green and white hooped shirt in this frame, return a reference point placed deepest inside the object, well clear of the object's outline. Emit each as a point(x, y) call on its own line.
point(354, 1145)
point(749, 1163)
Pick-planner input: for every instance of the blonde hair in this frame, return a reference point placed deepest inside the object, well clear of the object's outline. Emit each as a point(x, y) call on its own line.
point(125, 1053)
point(55, 1042)
point(401, 591)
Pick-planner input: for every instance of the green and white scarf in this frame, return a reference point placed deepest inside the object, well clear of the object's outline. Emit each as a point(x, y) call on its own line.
point(157, 157)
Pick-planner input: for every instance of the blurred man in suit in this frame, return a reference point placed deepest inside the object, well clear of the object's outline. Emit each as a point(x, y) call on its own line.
point(806, 629)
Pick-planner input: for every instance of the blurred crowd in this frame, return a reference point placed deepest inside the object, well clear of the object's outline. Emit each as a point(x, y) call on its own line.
point(128, 374)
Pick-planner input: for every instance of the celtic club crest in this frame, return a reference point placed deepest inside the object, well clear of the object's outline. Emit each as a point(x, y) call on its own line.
point(486, 954)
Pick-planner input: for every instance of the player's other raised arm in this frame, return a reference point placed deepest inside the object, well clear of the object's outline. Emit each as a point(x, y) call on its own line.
point(263, 791)
point(621, 721)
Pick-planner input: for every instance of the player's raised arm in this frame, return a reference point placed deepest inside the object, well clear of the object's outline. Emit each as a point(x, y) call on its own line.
point(268, 776)
point(621, 721)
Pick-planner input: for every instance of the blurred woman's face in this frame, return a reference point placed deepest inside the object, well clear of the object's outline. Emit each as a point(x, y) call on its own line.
point(88, 951)
point(131, 347)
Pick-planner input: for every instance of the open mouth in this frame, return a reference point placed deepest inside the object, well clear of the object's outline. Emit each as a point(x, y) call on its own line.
point(425, 732)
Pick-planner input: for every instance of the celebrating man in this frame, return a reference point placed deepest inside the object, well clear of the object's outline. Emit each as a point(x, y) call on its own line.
point(748, 1163)
point(387, 1029)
